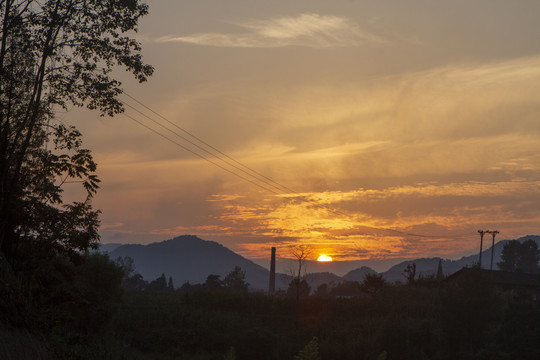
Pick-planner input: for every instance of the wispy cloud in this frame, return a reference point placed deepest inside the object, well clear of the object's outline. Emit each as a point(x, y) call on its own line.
point(309, 30)
point(112, 226)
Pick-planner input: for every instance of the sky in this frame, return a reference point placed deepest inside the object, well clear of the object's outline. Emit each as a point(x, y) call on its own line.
point(392, 129)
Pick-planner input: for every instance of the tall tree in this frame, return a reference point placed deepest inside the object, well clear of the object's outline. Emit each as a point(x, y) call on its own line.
point(55, 54)
point(440, 274)
point(410, 273)
point(520, 257)
point(530, 255)
point(301, 254)
point(236, 280)
point(310, 351)
point(298, 289)
point(373, 283)
point(158, 285)
point(213, 282)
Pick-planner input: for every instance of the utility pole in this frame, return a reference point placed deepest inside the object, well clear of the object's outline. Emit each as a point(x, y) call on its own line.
point(493, 233)
point(481, 232)
point(272, 283)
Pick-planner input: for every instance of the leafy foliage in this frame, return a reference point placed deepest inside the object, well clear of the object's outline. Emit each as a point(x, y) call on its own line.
point(410, 273)
point(235, 280)
point(56, 54)
point(373, 283)
point(463, 319)
point(310, 352)
point(80, 302)
point(520, 257)
point(298, 289)
point(158, 285)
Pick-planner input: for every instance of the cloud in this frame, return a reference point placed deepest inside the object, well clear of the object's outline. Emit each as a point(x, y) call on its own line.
point(309, 30)
point(112, 226)
point(365, 219)
point(442, 151)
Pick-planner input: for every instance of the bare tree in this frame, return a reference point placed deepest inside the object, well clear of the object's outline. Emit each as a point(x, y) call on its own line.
point(410, 273)
point(301, 254)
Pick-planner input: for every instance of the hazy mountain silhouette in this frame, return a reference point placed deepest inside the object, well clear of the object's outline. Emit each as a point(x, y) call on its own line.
point(108, 248)
point(316, 279)
point(359, 274)
point(428, 266)
point(340, 268)
point(190, 259)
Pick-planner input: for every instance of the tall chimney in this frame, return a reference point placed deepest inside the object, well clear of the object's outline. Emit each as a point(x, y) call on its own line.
point(272, 285)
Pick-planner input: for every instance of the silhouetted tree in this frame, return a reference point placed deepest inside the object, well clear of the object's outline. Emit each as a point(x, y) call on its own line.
point(96, 291)
point(131, 280)
point(510, 257)
point(231, 354)
point(373, 283)
point(310, 351)
point(346, 289)
point(126, 263)
point(55, 54)
point(135, 282)
point(530, 255)
point(213, 282)
point(410, 273)
point(520, 257)
point(187, 287)
point(301, 254)
point(158, 285)
point(298, 289)
point(170, 285)
point(322, 291)
point(80, 301)
point(440, 274)
point(235, 280)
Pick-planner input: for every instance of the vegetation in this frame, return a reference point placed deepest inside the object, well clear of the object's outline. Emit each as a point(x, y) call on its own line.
point(431, 319)
point(59, 299)
point(54, 55)
point(299, 286)
point(520, 257)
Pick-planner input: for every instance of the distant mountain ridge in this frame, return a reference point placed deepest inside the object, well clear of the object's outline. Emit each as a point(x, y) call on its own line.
point(190, 259)
point(428, 266)
point(359, 274)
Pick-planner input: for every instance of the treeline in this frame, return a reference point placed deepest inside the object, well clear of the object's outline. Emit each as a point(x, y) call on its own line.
point(132, 281)
point(430, 319)
point(56, 55)
point(60, 309)
point(89, 311)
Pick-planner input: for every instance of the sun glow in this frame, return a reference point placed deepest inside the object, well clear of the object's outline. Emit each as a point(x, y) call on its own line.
point(324, 258)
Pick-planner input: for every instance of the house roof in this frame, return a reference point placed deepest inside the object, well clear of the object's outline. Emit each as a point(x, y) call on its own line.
point(502, 278)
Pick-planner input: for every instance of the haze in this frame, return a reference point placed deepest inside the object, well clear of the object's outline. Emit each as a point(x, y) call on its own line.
point(417, 116)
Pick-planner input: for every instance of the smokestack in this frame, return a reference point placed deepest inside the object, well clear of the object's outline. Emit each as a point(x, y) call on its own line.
point(272, 285)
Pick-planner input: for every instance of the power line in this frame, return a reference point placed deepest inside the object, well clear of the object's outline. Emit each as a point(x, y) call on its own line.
point(258, 174)
point(197, 154)
point(493, 234)
point(199, 147)
point(256, 177)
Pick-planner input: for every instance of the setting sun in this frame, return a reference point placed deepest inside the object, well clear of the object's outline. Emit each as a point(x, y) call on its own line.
point(324, 258)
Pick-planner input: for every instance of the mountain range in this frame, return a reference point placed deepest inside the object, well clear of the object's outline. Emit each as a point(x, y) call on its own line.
point(190, 259)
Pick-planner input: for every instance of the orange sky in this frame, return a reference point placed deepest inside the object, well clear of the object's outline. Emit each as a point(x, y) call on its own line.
point(422, 118)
